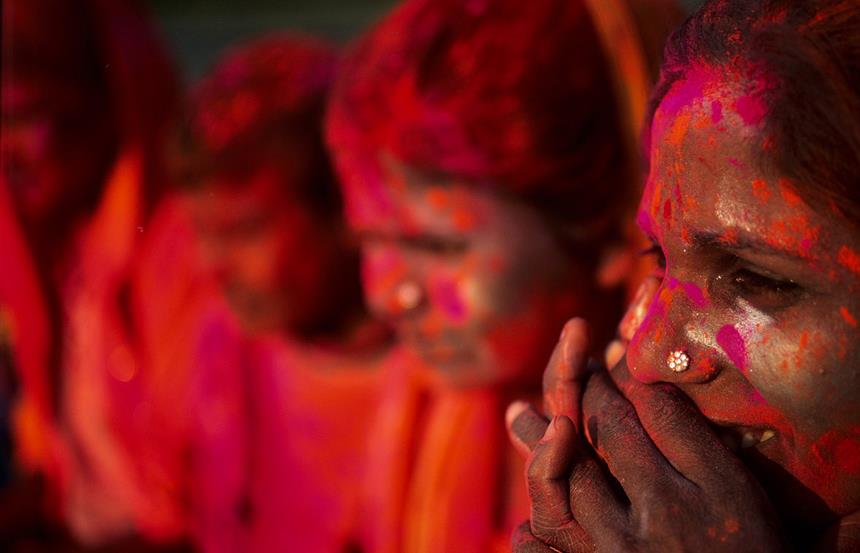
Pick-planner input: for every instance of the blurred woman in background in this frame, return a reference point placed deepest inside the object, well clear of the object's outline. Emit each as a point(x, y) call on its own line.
point(87, 94)
point(487, 156)
point(278, 406)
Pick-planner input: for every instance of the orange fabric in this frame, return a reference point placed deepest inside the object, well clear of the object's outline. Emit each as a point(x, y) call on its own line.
point(25, 313)
point(442, 476)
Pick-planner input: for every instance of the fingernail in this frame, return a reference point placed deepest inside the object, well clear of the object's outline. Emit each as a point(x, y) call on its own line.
point(591, 431)
point(614, 352)
point(514, 410)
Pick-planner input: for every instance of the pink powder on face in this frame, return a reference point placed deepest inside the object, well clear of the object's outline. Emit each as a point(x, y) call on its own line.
point(751, 109)
point(447, 296)
point(695, 294)
point(732, 343)
point(716, 112)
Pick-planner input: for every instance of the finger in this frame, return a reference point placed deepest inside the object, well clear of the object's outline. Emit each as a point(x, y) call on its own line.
point(547, 473)
point(618, 437)
point(635, 314)
point(568, 489)
point(525, 426)
point(566, 371)
point(614, 352)
point(522, 541)
point(677, 428)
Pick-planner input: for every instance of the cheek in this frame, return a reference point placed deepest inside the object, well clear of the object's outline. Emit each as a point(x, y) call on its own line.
point(383, 269)
point(256, 260)
point(449, 294)
point(482, 289)
point(807, 372)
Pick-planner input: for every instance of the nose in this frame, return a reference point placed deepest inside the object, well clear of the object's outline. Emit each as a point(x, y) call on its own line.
point(664, 348)
point(393, 286)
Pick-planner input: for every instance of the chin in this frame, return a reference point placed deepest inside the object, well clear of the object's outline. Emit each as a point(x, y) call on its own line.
point(804, 508)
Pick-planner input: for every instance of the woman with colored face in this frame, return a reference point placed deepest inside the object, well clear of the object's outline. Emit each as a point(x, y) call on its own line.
point(485, 168)
point(752, 204)
point(284, 382)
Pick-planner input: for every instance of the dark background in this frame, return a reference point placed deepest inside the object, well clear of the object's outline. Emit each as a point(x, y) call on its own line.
point(198, 30)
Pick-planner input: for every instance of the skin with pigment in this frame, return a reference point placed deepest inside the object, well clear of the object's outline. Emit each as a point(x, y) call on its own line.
point(255, 238)
point(488, 281)
point(756, 290)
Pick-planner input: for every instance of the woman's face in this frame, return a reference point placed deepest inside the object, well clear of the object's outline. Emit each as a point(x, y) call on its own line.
point(763, 293)
point(474, 283)
point(263, 245)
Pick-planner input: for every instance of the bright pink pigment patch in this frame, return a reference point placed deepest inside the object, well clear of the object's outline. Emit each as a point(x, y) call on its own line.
point(447, 296)
point(695, 294)
point(751, 109)
point(716, 112)
point(733, 345)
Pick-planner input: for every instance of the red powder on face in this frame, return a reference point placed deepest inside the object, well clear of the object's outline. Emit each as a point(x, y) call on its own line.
point(464, 220)
point(667, 212)
point(676, 135)
point(732, 343)
point(732, 525)
point(849, 259)
point(440, 199)
point(760, 190)
point(849, 318)
point(751, 109)
point(788, 194)
point(847, 456)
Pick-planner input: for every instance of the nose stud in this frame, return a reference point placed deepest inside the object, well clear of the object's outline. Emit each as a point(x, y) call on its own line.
point(678, 361)
point(408, 295)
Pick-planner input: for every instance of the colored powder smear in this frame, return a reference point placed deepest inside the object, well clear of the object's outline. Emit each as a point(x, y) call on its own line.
point(849, 259)
point(716, 112)
point(732, 343)
point(751, 109)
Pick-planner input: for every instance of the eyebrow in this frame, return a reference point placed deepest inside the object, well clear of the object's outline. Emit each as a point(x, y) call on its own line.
point(741, 243)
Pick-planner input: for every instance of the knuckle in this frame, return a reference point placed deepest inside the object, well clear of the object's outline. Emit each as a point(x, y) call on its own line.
point(616, 419)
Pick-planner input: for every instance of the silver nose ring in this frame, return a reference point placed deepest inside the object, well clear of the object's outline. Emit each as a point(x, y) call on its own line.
point(409, 295)
point(678, 361)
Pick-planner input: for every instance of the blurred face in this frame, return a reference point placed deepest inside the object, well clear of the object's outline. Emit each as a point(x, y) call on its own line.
point(55, 148)
point(265, 248)
point(58, 139)
point(762, 292)
point(475, 284)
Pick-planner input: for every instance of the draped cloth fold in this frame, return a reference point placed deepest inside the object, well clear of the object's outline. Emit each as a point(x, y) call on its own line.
point(441, 472)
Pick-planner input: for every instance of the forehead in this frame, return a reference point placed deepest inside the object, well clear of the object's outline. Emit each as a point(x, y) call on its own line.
point(706, 145)
point(709, 176)
point(395, 198)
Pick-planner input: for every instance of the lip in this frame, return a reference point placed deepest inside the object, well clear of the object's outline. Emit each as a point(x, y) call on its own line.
point(441, 354)
point(739, 437)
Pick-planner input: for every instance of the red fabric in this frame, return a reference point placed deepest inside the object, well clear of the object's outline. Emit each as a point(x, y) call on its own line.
point(267, 453)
